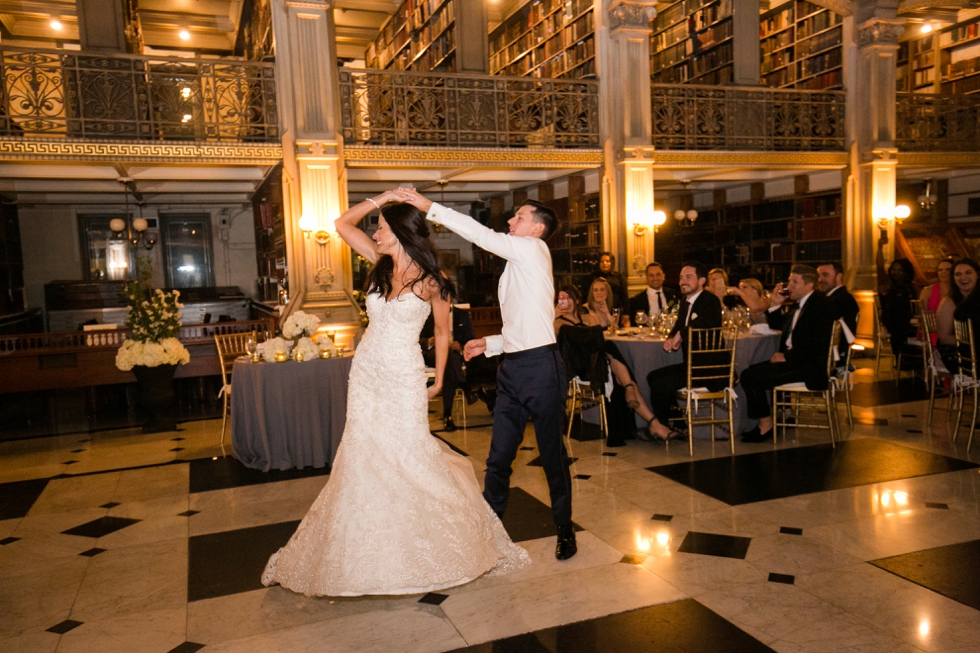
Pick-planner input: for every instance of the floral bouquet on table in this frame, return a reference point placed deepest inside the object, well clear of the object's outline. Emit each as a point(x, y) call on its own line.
point(302, 325)
point(154, 320)
point(275, 346)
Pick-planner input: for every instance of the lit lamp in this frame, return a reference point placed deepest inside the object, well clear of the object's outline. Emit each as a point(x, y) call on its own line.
point(685, 218)
point(896, 215)
point(308, 226)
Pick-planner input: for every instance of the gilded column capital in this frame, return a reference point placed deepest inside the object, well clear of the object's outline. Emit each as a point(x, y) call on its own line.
point(631, 14)
point(320, 5)
point(879, 32)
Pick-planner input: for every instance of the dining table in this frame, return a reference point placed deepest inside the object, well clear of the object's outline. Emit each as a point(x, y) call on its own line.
point(645, 353)
point(288, 415)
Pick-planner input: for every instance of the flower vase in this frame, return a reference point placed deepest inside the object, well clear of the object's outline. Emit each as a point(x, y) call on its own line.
point(156, 396)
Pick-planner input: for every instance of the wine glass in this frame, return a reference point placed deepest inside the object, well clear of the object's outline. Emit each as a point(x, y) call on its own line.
point(641, 320)
point(250, 346)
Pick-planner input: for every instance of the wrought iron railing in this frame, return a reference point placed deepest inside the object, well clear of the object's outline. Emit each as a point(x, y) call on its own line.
point(457, 110)
point(937, 123)
point(57, 93)
point(689, 117)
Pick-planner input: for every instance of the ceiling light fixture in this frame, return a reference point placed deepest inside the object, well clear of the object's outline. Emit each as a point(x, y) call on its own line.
point(927, 200)
point(926, 28)
point(56, 24)
point(184, 35)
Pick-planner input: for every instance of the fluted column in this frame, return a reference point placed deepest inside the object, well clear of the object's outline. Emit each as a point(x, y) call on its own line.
point(314, 181)
point(873, 166)
point(623, 33)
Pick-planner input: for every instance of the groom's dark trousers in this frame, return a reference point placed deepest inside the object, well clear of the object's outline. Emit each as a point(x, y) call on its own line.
point(530, 383)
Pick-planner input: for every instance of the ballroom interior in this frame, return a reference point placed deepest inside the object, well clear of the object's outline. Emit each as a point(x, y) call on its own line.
point(215, 142)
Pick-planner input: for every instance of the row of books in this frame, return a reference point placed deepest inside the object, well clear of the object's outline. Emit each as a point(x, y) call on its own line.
point(777, 252)
point(819, 63)
point(819, 229)
point(776, 42)
point(708, 16)
point(437, 56)
point(433, 29)
point(828, 250)
point(962, 86)
point(959, 33)
point(711, 59)
point(961, 68)
point(551, 65)
point(777, 22)
point(816, 207)
point(772, 230)
point(817, 23)
point(569, 35)
point(829, 80)
point(423, 12)
point(669, 37)
point(818, 43)
point(778, 60)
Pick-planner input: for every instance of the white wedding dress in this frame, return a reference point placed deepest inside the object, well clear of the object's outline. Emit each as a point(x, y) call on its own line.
point(401, 513)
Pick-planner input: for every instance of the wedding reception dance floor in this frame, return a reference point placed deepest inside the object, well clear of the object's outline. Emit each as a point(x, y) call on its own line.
point(116, 541)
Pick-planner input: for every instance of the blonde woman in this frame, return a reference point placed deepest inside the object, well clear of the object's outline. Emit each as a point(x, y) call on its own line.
point(755, 297)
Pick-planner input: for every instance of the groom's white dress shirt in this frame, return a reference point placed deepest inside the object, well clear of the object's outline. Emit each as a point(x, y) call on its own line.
point(526, 289)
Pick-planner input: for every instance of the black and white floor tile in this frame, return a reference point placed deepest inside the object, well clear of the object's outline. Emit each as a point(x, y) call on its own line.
point(115, 541)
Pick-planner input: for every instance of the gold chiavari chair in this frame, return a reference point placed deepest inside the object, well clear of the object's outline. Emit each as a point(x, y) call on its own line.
point(935, 367)
point(710, 361)
point(966, 379)
point(797, 397)
point(230, 346)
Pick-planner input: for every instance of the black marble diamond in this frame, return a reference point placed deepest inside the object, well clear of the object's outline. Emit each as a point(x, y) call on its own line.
point(938, 506)
point(713, 544)
point(77, 450)
point(176, 449)
point(786, 579)
point(17, 499)
point(609, 453)
point(904, 415)
point(790, 530)
point(537, 462)
point(583, 477)
point(91, 553)
point(433, 598)
point(633, 560)
point(526, 518)
point(188, 513)
point(64, 626)
point(100, 527)
point(177, 439)
point(111, 504)
point(913, 430)
point(187, 647)
point(69, 462)
point(948, 570)
point(659, 517)
point(8, 540)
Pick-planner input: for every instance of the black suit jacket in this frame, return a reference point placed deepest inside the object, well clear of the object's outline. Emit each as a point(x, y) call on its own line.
point(705, 314)
point(843, 306)
point(640, 302)
point(811, 339)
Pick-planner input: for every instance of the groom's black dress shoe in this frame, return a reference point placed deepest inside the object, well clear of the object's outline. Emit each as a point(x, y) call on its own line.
point(566, 543)
point(449, 425)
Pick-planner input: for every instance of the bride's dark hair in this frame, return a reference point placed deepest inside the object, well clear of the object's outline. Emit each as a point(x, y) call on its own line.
point(409, 226)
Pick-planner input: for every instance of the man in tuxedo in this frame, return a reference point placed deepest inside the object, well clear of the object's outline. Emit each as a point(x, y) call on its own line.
point(455, 375)
point(699, 310)
point(803, 348)
point(840, 303)
point(654, 299)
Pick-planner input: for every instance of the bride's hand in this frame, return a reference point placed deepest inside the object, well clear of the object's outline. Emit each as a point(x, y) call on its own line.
point(434, 391)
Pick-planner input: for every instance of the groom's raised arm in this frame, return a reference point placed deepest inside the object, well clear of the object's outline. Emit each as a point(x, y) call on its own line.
point(505, 246)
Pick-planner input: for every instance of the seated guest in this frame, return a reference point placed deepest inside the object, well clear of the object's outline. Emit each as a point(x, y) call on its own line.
point(841, 303)
point(963, 303)
point(699, 310)
point(933, 294)
point(803, 349)
point(896, 292)
point(455, 374)
point(568, 310)
point(654, 299)
point(755, 298)
point(619, 295)
point(718, 286)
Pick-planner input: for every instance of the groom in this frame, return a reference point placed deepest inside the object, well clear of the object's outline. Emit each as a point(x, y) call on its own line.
point(531, 379)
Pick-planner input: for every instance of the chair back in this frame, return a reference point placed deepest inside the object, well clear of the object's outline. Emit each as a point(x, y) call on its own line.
point(929, 329)
point(832, 354)
point(230, 346)
point(711, 356)
point(966, 352)
point(582, 350)
point(879, 328)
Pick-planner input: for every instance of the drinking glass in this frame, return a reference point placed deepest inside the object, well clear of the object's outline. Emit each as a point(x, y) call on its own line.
point(614, 322)
point(641, 320)
point(250, 347)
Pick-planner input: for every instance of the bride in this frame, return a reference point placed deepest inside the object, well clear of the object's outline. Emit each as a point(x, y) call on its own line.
point(401, 513)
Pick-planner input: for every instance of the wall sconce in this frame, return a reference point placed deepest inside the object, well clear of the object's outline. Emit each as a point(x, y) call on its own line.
point(927, 200)
point(322, 236)
point(657, 219)
point(685, 218)
point(896, 215)
point(306, 225)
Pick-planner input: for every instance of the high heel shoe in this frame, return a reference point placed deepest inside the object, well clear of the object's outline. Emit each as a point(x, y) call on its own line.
point(635, 402)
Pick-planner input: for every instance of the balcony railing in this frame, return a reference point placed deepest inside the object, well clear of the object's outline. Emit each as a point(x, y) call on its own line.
point(456, 110)
point(937, 123)
point(688, 117)
point(54, 93)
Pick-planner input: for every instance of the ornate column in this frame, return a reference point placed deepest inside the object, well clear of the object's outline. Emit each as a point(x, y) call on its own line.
point(314, 178)
point(109, 26)
point(871, 127)
point(623, 33)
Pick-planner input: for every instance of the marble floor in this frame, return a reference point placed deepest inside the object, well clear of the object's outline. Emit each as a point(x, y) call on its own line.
point(117, 541)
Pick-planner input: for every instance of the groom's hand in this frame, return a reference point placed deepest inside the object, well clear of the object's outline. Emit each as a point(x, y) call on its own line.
point(474, 348)
point(413, 197)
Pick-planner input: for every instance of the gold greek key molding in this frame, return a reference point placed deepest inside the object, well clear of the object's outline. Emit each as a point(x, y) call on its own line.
point(944, 159)
point(397, 157)
point(667, 158)
point(20, 149)
point(879, 32)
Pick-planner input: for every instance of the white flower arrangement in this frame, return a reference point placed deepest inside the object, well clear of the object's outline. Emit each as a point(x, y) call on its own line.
point(168, 351)
point(271, 347)
point(300, 324)
point(325, 343)
point(308, 347)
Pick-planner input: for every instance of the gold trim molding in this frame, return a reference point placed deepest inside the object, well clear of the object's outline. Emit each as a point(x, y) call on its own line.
point(431, 157)
point(33, 150)
point(943, 159)
point(748, 158)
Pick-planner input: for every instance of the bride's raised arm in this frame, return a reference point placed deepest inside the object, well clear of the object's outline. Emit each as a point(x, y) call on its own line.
point(346, 225)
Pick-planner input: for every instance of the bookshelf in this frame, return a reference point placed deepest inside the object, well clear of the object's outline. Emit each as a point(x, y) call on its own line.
point(420, 36)
point(692, 42)
point(546, 38)
point(12, 298)
point(801, 47)
point(575, 248)
point(959, 57)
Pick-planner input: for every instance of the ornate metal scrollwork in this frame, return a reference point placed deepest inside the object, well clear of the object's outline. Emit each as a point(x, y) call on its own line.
point(450, 110)
point(937, 123)
point(80, 95)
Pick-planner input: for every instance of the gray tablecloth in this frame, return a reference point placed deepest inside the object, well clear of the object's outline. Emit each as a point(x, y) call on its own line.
point(643, 355)
point(288, 415)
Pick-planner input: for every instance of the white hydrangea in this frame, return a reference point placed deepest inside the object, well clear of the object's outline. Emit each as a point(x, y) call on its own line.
point(325, 342)
point(300, 324)
point(168, 351)
point(308, 347)
point(270, 347)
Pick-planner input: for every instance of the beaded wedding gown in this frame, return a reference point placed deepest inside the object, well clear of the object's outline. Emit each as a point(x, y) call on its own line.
point(401, 513)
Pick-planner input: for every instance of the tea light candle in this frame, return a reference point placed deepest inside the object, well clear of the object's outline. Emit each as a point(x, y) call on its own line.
point(299, 354)
point(280, 356)
point(325, 354)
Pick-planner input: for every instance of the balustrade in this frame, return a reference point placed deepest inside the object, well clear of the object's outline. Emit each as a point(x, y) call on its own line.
point(937, 123)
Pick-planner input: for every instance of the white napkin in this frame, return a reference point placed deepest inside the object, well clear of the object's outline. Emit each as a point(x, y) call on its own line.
point(762, 330)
